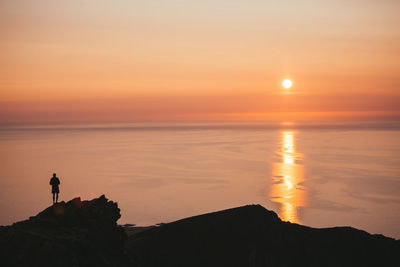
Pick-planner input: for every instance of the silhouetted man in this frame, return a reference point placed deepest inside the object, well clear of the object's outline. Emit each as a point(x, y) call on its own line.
point(54, 181)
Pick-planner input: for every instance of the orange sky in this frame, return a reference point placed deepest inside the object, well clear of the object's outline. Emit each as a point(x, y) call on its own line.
point(98, 60)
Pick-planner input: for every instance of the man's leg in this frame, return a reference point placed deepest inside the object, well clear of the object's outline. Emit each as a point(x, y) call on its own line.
point(56, 197)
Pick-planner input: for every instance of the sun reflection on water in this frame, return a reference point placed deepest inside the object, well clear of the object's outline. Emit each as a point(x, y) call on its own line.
point(288, 175)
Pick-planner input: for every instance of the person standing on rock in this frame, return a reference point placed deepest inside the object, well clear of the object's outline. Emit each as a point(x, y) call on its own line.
point(54, 182)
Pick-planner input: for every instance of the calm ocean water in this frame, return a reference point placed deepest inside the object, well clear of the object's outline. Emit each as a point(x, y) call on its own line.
point(317, 175)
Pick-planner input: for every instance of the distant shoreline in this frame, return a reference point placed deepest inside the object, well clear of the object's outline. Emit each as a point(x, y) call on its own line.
point(188, 126)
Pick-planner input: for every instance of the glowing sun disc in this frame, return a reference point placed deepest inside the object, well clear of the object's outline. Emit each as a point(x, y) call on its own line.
point(287, 83)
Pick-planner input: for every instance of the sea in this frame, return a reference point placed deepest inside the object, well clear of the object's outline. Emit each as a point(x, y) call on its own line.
point(319, 174)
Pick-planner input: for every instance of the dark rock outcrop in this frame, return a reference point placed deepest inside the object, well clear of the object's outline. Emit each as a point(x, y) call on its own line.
point(254, 236)
point(76, 233)
point(85, 233)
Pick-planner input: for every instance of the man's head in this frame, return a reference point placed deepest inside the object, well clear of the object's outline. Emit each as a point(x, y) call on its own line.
point(54, 175)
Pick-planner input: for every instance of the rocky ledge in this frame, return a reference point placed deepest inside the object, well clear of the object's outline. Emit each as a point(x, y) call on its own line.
point(85, 233)
point(75, 233)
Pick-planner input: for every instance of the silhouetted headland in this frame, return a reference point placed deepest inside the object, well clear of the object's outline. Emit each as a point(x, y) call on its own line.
point(85, 233)
point(75, 233)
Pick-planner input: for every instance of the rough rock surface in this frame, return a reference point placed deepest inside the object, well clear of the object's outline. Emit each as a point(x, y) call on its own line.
point(85, 233)
point(76, 233)
point(254, 236)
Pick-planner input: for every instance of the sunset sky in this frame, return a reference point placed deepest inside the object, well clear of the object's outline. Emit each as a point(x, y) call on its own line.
point(168, 60)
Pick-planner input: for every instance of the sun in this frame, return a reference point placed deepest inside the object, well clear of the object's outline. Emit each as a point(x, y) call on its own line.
point(287, 83)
